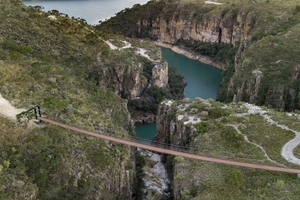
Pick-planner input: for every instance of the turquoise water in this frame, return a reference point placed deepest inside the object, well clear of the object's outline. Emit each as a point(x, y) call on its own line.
point(145, 132)
point(90, 10)
point(203, 81)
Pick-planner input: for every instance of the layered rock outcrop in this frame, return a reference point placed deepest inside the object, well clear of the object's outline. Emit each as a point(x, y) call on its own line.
point(125, 81)
point(231, 28)
point(176, 129)
point(129, 81)
point(160, 75)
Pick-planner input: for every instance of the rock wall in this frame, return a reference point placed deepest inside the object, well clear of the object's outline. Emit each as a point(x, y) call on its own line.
point(175, 127)
point(160, 76)
point(141, 117)
point(129, 81)
point(231, 28)
point(125, 81)
point(170, 128)
point(241, 28)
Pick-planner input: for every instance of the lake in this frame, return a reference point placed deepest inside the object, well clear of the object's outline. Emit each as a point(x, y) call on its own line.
point(90, 10)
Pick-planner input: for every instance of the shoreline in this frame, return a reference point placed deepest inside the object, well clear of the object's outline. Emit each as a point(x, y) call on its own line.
point(192, 55)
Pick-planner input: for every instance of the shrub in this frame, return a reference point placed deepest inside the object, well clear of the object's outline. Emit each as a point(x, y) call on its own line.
point(157, 93)
point(297, 8)
point(218, 112)
point(201, 127)
point(235, 178)
point(53, 103)
point(178, 159)
point(176, 84)
point(231, 137)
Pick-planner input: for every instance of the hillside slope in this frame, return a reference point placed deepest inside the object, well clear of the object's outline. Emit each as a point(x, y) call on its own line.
point(48, 59)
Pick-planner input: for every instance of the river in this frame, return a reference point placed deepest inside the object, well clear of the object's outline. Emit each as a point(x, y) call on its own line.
point(203, 80)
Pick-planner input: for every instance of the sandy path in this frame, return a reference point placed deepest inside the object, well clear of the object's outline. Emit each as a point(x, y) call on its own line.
point(7, 110)
point(236, 127)
point(213, 2)
point(287, 151)
point(139, 51)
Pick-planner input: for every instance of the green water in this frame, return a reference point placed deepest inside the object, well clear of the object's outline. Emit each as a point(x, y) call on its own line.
point(203, 81)
point(145, 132)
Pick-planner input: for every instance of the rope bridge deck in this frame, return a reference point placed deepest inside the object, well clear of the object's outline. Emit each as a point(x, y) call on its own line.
point(170, 151)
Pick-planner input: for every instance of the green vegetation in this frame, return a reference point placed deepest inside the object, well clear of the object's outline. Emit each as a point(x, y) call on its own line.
point(139, 184)
point(128, 25)
point(176, 84)
point(219, 52)
point(50, 63)
point(262, 68)
point(221, 133)
point(50, 162)
point(223, 95)
point(64, 65)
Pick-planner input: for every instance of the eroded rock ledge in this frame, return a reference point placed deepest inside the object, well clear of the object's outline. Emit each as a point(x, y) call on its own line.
point(143, 118)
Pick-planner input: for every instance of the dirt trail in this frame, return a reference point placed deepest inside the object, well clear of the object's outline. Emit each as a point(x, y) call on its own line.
point(287, 151)
point(7, 110)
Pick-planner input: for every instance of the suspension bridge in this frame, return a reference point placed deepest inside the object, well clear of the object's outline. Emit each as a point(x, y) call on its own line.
point(160, 148)
point(168, 150)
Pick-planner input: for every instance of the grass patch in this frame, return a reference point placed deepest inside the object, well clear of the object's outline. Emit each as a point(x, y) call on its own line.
point(270, 137)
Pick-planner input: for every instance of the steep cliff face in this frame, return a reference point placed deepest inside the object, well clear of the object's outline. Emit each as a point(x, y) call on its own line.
point(264, 34)
point(160, 76)
point(268, 72)
point(130, 75)
point(227, 28)
point(126, 81)
point(178, 122)
point(162, 83)
point(170, 21)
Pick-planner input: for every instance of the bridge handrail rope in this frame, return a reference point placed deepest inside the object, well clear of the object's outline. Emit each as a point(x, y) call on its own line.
point(182, 148)
point(27, 114)
point(37, 111)
point(155, 143)
point(186, 149)
point(169, 150)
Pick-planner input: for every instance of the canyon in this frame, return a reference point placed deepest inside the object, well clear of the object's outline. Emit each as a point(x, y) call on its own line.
point(260, 39)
